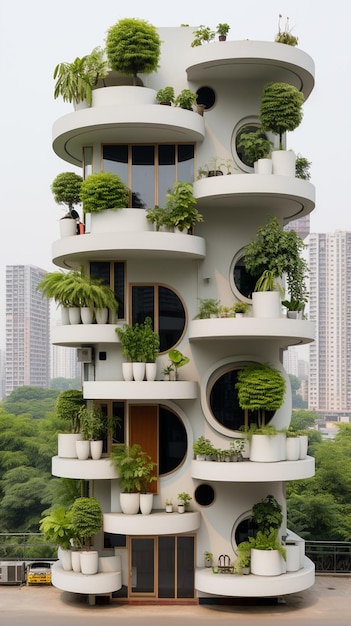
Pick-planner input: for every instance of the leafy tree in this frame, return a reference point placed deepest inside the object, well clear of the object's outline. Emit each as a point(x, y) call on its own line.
point(133, 46)
point(302, 419)
point(61, 384)
point(23, 488)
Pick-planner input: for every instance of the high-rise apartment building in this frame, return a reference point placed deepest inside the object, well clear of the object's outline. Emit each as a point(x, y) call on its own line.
point(329, 306)
point(27, 329)
point(163, 274)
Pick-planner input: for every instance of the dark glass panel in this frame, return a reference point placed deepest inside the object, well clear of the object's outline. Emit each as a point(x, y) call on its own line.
point(185, 569)
point(244, 282)
point(115, 160)
point(172, 441)
point(166, 171)
point(142, 565)
point(118, 287)
point(186, 163)
point(171, 318)
point(143, 177)
point(166, 567)
point(142, 303)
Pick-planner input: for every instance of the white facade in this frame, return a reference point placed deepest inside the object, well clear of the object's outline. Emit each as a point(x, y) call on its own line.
point(174, 271)
point(330, 355)
point(27, 329)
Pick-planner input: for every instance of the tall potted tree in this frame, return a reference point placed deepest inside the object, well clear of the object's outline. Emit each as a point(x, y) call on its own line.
point(66, 190)
point(86, 522)
point(281, 111)
point(261, 388)
point(75, 81)
point(136, 471)
point(67, 409)
point(133, 46)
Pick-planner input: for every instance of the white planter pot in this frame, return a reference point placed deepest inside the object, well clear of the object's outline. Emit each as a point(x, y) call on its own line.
point(130, 503)
point(86, 314)
point(292, 448)
point(101, 316)
point(181, 508)
point(265, 448)
point(266, 304)
point(83, 449)
point(74, 315)
point(64, 316)
point(138, 371)
point(282, 437)
point(75, 556)
point(169, 508)
point(303, 446)
point(127, 371)
point(65, 559)
point(266, 562)
point(151, 371)
point(263, 166)
point(283, 162)
point(89, 562)
point(68, 227)
point(67, 445)
point(96, 449)
point(292, 558)
point(146, 502)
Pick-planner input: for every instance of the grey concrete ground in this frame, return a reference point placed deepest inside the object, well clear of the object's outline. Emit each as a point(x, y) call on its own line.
point(328, 603)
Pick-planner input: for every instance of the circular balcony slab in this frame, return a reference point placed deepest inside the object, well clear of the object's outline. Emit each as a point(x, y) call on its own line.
point(86, 470)
point(103, 582)
point(157, 523)
point(251, 472)
point(156, 390)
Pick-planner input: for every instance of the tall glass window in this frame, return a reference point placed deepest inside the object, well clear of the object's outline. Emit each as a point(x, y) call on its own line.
point(112, 274)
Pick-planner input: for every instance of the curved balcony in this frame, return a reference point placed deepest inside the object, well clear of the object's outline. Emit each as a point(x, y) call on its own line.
point(155, 390)
point(100, 583)
point(83, 470)
point(251, 586)
point(284, 196)
point(247, 60)
point(77, 335)
point(157, 523)
point(251, 472)
point(124, 114)
point(286, 332)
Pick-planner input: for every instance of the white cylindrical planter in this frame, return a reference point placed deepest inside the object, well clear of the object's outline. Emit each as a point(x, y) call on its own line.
point(83, 449)
point(284, 162)
point(96, 449)
point(181, 508)
point(65, 559)
point(282, 437)
point(146, 502)
point(303, 446)
point(67, 445)
point(263, 166)
point(68, 227)
point(89, 562)
point(151, 371)
point(266, 562)
point(169, 508)
point(101, 316)
point(266, 304)
point(74, 315)
point(127, 371)
point(64, 316)
point(129, 503)
point(75, 556)
point(265, 448)
point(138, 371)
point(86, 314)
point(292, 558)
point(292, 448)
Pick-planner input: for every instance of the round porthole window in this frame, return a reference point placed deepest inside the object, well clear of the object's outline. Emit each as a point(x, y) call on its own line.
point(204, 495)
point(206, 96)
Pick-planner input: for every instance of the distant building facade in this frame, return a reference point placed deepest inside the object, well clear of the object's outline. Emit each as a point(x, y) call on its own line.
point(27, 329)
point(330, 307)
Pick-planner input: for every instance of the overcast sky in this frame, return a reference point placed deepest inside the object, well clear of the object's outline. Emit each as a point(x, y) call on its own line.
point(36, 35)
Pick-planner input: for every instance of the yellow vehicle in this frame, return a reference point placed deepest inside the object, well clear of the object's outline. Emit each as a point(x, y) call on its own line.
point(39, 573)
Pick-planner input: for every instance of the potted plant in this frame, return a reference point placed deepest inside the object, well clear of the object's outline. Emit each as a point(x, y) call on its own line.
point(159, 216)
point(57, 528)
point(94, 427)
point(177, 360)
point(237, 447)
point(136, 470)
point(225, 311)
point(183, 501)
point(240, 308)
point(275, 253)
point(203, 34)
point(222, 31)
point(208, 307)
point(102, 191)
point(202, 448)
point(268, 517)
point(66, 190)
point(281, 111)
point(292, 445)
point(151, 348)
point(87, 521)
point(261, 388)
point(181, 207)
point(294, 308)
point(213, 167)
point(75, 81)
point(208, 558)
point(169, 505)
point(256, 150)
point(133, 46)
point(302, 168)
point(67, 409)
point(186, 99)
point(285, 36)
point(165, 95)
